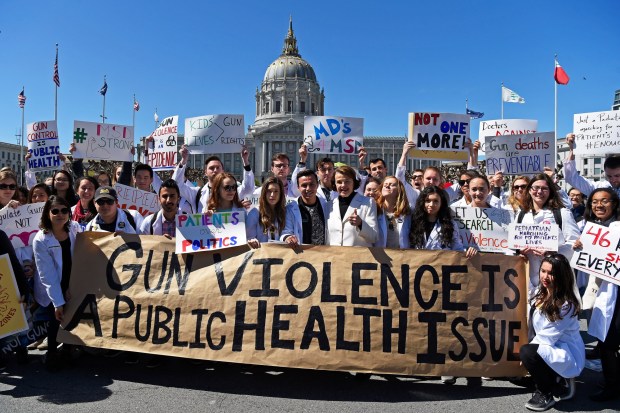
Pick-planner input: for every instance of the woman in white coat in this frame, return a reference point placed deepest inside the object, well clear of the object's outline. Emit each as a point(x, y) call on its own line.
point(267, 222)
point(556, 353)
point(53, 250)
point(353, 217)
point(394, 215)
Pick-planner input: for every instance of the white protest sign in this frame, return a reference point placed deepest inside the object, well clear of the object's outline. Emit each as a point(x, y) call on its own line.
point(202, 232)
point(102, 141)
point(439, 132)
point(483, 228)
point(520, 154)
point(600, 255)
point(163, 154)
point(146, 203)
point(22, 223)
point(214, 134)
point(333, 134)
point(503, 127)
point(597, 133)
point(43, 145)
point(538, 236)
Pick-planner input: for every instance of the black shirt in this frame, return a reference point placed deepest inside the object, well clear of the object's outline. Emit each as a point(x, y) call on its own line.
point(66, 264)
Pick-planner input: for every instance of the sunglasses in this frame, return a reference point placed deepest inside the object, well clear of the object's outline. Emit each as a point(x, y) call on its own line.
point(12, 187)
point(230, 188)
point(105, 201)
point(519, 186)
point(464, 181)
point(417, 176)
point(63, 211)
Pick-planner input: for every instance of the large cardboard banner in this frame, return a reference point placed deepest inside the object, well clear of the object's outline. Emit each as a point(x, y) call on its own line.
point(204, 232)
point(439, 132)
point(146, 203)
point(599, 256)
point(43, 145)
point(329, 308)
point(483, 228)
point(520, 154)
point(102, 141)
point(12, 316)
point(333, 134)
point(214, 134)
point(21, 224)
point(504, 127)
point(163, 154)
point(540, 236)
point(597, 133)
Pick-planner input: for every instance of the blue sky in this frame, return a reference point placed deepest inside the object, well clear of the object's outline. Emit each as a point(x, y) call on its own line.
point(376, 60)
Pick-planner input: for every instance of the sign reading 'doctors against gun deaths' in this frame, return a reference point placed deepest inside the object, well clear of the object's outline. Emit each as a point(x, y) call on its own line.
point(335, 308)
point(22, 223)
point(203, 232)
point(12, 317)
point(439, 131)
point(102, 141)
point(600, 255)
point(333, 134)
point(520, 154)
point(43, 145)
point(597, 133)
point(146, 203)
point(539, 236)
point(163, 154)
point(483, 228)
point(214, 134)
point(504, 127)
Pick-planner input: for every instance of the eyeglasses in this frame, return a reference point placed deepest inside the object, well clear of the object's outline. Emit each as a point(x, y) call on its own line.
point(464, 181)
point(57, 211)
point(12, 187)
point(230, 188)
point(539, 188)
point(61, 180)
point(417, 176)
point(105, 201)
point(603, 202)
point(280, 165)
point(518, 187)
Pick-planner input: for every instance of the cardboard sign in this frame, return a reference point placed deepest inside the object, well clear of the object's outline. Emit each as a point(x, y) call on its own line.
point(520, 154)
point(163, 154)
point(539, 236)
point(146, 203)
point(597, 133)
point(12, 316)
point(504, 127)
point(43, 146)
point(333, 134)
point(102, 141)
point(21, 224)
point(330, 308)
point(443, 132)
point(203, 232)
point(483, 228)
point(600, 255)
point(214, 134)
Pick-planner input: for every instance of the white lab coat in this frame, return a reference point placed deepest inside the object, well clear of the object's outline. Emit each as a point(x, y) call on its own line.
point(293, 219)
point(254, 230)
point(433, 241)
point(341, 232)
point(403, 223)
point(122, 223)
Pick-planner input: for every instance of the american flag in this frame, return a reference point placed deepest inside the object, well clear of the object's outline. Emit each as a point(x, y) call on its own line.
point(56, 75)
point(21, 99)
point(136, 105)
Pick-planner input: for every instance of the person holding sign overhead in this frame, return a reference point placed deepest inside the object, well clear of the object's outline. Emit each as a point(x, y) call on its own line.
point(266, 222)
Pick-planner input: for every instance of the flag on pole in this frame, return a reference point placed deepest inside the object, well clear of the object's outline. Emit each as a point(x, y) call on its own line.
point(136, 105)
point(21, 99)
point(156, 116)
point(560, 74)
point(56, 75)
point(473, 114)
point(510, 96)
point(104, 88)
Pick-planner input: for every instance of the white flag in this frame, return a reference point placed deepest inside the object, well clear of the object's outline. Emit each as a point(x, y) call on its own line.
point(156, 117)
point(510, 96)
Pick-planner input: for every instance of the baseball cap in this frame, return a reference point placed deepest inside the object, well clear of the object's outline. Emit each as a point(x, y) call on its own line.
point(105, 192)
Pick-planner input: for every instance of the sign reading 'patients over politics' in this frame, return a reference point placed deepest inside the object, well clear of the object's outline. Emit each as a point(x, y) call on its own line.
point(102, 141)
point(439, 136)
point(597, 133)
point(333, 134)
point(208, 232)
point(214, 134)
point(163, 154)
point(43, 146)
point(520, 154)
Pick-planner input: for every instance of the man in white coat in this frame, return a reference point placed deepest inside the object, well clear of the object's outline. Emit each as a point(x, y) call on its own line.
point(109, 217)
point(163, 222)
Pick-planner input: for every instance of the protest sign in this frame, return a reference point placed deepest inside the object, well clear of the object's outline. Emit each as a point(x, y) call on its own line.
point(214, 134)
point(333, 134)
point(539, 236)
point(22, 223)
point(600, 255)
point(597, 133)
point(483, 228)
point(503, 127)
point(443, 132)
point(12, 316)
point(146, 203)
point(43, 146)
point(203, 232)
point(330, 308)
point(520, 154)
point(163, 154)
point(102, 141)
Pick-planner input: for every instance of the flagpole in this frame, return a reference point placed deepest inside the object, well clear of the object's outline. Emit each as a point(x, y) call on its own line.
point(56, 90)
point(21, 148)
point(502, 100)
point(103, 114)
point(555, 111)
point(133, 109)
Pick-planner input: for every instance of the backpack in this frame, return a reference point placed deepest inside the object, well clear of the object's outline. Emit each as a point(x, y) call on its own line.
point(130, 219)
point(198, 194)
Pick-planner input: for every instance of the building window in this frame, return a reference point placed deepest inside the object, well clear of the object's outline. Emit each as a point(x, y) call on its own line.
point(585, 161)
point(313, 108)
point(267, 107)
point(289, 106)
point(278, 106)
point(302, 109)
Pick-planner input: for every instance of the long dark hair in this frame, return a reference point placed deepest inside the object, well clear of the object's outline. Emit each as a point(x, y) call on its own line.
point(420, 217)
point(268, 215)
point(550, 303)
point(42, 187)
point(46, 223)
point(588, 215)
point(553, 202)
point(92, 210)
point(71, 197)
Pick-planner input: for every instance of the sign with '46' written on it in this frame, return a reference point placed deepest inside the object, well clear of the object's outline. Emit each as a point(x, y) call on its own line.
point(600, 255)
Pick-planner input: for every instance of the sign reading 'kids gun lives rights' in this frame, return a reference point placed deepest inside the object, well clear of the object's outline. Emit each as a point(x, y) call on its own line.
point(520, 154)
point(214, 134)
point(43, 146)
point(440, 136)
point(333, 134)
point(331, 308)
point(204, 232)
point(102, 141)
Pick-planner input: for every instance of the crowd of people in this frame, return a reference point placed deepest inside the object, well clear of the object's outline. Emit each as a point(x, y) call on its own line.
point(342, 206)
